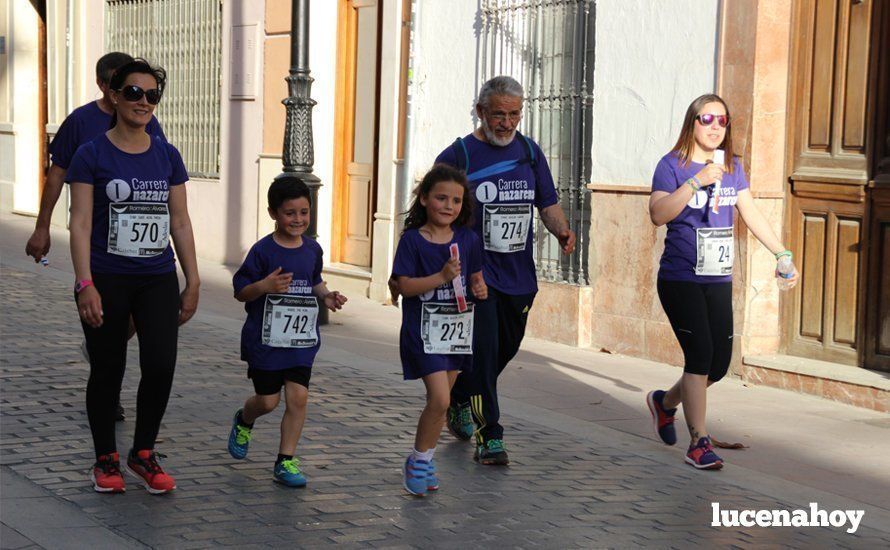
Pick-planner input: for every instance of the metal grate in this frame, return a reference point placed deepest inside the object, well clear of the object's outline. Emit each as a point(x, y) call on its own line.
point(183, 37)
point(547, 45)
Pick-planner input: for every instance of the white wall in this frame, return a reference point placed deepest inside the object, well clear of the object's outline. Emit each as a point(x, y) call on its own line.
point(652, 59)
point(323, 64)
point(444, 77)
point(22, 47)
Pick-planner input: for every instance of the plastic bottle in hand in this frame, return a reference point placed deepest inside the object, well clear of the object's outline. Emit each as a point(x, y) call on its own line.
point(784, 271)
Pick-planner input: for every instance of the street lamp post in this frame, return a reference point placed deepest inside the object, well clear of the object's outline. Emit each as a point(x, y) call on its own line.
point(299, 153)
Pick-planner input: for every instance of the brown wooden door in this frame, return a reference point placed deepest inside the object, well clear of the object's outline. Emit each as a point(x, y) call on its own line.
point(356, 131)
point(877, 325)
point(829, 175)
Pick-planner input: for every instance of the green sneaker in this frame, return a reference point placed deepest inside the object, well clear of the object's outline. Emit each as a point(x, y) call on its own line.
point(460, 422)
point(287, 472)
point(239, 438)
point(492, 453)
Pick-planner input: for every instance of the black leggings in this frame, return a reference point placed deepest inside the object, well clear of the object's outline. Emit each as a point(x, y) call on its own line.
point(153, 301)
point(701, 316)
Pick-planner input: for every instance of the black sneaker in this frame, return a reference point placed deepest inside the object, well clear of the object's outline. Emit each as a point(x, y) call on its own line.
point(492, 453)
point(119, 415)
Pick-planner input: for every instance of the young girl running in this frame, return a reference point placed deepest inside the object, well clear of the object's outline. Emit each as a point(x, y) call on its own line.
point(693, 192)
point(281, 287)
point(435, 256)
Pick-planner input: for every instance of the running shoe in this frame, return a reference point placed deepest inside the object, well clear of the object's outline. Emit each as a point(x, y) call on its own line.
point(416, 476)
point(239, 438)
point(492, 453)
point(460, 422)
point(702, 455)
point(287, 472)
point(106, 474)
point(144, 465)
point(662, 419)
point(432, 481)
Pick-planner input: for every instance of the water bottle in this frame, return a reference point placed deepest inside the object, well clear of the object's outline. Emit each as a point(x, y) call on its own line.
point(784, 271)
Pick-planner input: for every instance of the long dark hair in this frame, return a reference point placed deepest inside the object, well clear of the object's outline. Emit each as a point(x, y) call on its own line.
point(416, 216)
point(686, 142)
point(140, 66)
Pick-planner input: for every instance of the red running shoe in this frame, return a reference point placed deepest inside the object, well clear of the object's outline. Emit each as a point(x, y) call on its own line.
point(106, 474)
point(144, 465)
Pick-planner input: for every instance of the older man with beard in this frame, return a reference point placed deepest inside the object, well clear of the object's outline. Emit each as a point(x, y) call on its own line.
point(508, 177)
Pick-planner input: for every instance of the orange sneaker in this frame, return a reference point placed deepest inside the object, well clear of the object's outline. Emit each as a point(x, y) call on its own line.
point(144, 465)
point(106, 474)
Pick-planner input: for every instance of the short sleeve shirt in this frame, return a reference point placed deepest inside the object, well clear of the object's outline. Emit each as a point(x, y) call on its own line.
point(84, 124)
point(506, 190)
point(130, 204)
point(687, 234)
point(270, 312)
point(417, 257)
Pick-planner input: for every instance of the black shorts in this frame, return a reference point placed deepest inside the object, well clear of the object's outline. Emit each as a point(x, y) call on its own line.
point(701, 316)
point(269, 382)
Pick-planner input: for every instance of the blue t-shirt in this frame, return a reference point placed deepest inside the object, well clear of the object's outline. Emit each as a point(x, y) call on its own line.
point(281, 330)
point(506, 191)
point(131, 219)
point(699, 246)
point(430, 321)
point(84, 124)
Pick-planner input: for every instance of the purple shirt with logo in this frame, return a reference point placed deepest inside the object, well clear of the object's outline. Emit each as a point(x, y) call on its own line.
point(134, 189)
point(264, 257)
point(504, 184)
point(417, 257)
point(85, 124)
point(681, 245)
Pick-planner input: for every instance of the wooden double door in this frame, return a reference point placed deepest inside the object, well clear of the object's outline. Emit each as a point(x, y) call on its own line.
point(839, 175)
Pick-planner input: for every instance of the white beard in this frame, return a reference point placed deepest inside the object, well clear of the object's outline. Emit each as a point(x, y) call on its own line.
point(493, 138)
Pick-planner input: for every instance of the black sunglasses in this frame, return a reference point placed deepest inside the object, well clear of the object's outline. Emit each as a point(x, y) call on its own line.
point(135, 93)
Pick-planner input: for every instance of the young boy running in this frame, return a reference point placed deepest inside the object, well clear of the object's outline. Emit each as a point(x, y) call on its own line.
point(280, 284)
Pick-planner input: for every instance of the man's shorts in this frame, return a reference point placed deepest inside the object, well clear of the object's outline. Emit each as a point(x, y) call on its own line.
point(269, 382)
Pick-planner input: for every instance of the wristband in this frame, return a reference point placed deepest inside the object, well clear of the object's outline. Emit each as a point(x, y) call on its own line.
point(693, 182)
point(80, 285)
point(785, 253)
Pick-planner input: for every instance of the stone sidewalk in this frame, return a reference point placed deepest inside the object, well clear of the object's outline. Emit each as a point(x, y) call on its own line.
point(572, 483)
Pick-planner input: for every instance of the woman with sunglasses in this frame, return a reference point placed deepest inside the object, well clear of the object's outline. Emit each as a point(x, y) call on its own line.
point(127, 201)
point(693, 192)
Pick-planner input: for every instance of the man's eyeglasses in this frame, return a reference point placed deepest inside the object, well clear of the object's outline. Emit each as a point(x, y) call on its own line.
point(500, 116)
point(135, 93)
point(706, 119)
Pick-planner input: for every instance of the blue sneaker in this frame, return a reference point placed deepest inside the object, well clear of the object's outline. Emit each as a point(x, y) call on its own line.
point(239, 438)
point(460, 422)
point(287, 472)
point(416, 476)
point(701, 455)
point(662, 419)
point(432, 481)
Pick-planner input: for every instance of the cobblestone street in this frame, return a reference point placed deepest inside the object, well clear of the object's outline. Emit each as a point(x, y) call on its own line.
point(565, 487)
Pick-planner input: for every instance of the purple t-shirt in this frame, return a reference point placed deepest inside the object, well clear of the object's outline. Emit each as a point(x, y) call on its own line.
point(434, 336)
point(131, 218)
point(699, 246)
point(84, 124)
point(281, 330)
point(506, 191)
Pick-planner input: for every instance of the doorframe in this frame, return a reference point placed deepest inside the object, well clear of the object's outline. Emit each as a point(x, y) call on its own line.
point(344, 122)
